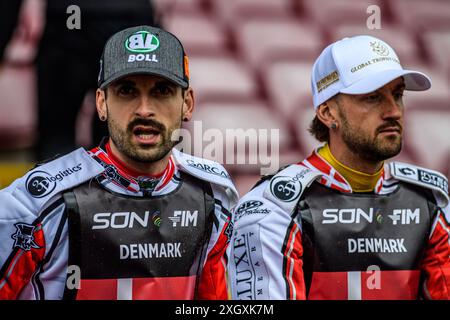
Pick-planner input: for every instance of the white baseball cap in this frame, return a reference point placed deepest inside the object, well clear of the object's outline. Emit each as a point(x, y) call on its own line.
point(359, 65)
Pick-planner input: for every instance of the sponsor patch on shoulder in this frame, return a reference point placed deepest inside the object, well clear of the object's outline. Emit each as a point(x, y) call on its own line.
point(41, 183)
point(421, 176)
point(286, 187)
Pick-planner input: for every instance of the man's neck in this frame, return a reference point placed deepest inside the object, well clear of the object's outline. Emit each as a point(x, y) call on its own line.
point(358, 180)
point(140, 168)
point(354, 161)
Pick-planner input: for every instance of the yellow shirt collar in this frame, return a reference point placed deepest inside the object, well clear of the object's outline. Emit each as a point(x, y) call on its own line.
point(359, 181)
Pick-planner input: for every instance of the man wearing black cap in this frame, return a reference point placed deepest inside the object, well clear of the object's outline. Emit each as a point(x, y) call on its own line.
point(67, 60)
point(133, 218)
point(344, 224)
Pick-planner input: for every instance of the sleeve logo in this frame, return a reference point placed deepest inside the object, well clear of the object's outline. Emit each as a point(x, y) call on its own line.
point(23, 237)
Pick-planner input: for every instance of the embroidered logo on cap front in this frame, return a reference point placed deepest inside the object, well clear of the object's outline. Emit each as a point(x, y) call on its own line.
point(379, 48)
point(142, 42)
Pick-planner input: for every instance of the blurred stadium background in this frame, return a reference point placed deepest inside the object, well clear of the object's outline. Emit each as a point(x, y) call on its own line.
point(250, 63)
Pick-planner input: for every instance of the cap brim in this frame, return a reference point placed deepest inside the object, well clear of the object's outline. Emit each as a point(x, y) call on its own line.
point(154, 72)
point(414, 81)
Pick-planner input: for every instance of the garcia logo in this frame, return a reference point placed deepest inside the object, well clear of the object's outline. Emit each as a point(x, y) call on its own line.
point(208, 169)
point(285, 188)
point(142, 42)
point(40, 183)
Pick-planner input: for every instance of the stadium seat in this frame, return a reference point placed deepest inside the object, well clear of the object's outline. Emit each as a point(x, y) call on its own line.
point(426, 134)
point(17, 107)
point(199, 33)
point(232, 11)
point(83, 123)
point(438, 95)
point(221, 77)
point(331, 13)
point(406, 155)
point(249, 131)
point(23, 46)
point(262, 41)
point(288, 81)
point(418, 15)
point(245, 182)
point(437, 46)
point(300, 123)
point(169, 7)
point(402, 40)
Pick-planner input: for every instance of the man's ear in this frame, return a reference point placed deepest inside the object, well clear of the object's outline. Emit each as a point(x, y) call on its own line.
point(100, 103)
point(326, 113)
point(188, 104)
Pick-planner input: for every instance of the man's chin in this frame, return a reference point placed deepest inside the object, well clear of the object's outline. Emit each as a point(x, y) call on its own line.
point(146, 147)
point(390, 151)
point(150, 153)
point(148, 157)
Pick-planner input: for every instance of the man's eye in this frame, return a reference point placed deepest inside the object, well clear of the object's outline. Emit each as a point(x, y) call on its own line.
point(372, 98)
point(126, 90)
point(398, 95)
point(163, 90)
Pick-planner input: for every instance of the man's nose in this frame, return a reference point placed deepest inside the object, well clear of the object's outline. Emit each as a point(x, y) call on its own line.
point(146, 108)
point(393, 108)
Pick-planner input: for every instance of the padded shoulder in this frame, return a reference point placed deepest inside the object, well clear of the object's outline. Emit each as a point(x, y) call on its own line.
point(285, 188)
point(206, 170)
point(427, 178)
point(32, 191)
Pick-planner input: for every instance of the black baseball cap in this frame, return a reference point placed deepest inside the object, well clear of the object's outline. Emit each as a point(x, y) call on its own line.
point(144, 50)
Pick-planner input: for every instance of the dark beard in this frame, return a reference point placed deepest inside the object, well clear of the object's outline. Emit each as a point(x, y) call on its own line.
point(142, 154)
point(371, 150)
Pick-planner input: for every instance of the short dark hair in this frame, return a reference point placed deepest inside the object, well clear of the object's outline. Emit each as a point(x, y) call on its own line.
point(319, 130)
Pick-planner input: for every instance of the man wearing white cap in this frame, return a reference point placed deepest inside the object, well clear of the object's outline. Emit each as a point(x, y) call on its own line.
point(343, 223)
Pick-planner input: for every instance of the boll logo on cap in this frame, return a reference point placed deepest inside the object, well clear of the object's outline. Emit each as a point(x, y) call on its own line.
point(379, 48)
point(142, 42)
